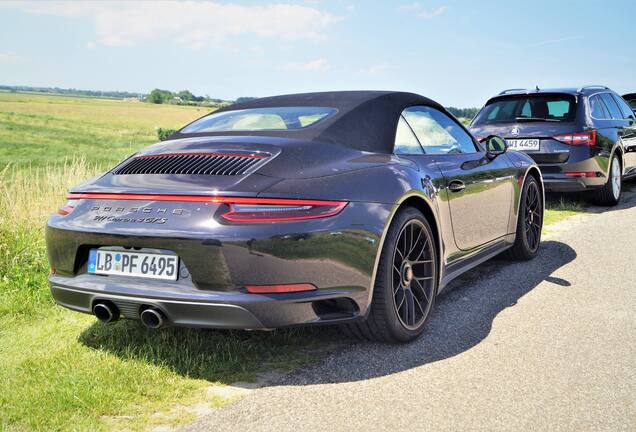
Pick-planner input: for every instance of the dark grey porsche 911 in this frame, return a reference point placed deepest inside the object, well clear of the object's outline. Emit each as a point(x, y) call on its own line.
point(342, 207)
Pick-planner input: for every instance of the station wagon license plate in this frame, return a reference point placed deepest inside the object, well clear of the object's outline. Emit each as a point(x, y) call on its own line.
point(154, 266)
point(523, 144)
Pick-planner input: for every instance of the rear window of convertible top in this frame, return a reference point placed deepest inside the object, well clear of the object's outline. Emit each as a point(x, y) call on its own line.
point(519, 108)
point(259, 119)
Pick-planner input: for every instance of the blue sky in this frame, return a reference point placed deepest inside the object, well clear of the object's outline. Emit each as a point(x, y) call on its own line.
point(456, 52)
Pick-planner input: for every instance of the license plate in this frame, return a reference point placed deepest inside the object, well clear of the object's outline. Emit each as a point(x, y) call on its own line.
point(523, 144)
point(146, 265)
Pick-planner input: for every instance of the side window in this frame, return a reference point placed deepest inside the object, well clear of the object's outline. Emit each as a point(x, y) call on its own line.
point(438, 133)
point(597, 107)
point(405, 141)
point(627, 111)
point(612, 106)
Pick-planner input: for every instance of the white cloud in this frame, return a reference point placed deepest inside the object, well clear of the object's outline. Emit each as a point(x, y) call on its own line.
point(417, 9)
point(318, 65)
point(9, 57)
point(194, 24)
point(376, 69)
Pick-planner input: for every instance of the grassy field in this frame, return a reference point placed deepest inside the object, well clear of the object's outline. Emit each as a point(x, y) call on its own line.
point(37, 130)
point(62, 370)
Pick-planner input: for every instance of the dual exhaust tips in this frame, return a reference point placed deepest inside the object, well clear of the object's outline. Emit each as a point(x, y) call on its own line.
point(151, 317)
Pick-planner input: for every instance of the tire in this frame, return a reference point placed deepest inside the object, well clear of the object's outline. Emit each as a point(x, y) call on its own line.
point(406, 282)
point(610, 194)
point(529, 222)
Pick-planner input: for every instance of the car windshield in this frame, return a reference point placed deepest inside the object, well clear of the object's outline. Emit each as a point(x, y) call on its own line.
point(528, 108)
point(260, 119)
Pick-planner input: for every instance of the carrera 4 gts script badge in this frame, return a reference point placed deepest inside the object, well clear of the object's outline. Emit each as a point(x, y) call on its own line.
point(148, 220)
point(141, 215)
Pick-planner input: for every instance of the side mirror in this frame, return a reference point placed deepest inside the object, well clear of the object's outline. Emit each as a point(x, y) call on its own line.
point(495, 146)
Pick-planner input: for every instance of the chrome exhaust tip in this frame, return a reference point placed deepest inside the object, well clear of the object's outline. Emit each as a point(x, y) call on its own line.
point(106, 312)
point(152, 318)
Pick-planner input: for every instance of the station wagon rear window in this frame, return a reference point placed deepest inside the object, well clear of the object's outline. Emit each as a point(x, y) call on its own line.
point(528, 108)
point(260, 119)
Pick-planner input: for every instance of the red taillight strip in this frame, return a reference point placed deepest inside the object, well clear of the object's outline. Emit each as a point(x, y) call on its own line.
point(272, 289)
point(201, 198)
point(244, 155)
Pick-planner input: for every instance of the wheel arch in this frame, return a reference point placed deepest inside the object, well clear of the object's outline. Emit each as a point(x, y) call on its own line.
point(619, 152)
point(423, 203)
point(535, 172)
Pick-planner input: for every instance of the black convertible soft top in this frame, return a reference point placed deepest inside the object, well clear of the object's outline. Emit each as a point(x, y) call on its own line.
point(366, 120)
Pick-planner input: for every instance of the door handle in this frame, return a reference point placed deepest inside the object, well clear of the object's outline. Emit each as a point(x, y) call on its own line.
point(456, 186)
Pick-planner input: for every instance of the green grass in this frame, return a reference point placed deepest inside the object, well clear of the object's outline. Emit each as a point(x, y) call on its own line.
point(559, 208)
point(37, 129)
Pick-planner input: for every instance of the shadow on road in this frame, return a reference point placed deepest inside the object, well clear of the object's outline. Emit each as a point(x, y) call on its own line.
point(462, 318)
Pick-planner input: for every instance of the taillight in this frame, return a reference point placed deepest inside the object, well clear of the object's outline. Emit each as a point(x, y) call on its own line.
point(578, 138)
point(239, 209)
point(68, 208)
point(281, 211)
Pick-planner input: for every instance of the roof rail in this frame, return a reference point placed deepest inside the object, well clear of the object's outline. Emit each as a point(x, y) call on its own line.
point(511, 90)
point(593, 87)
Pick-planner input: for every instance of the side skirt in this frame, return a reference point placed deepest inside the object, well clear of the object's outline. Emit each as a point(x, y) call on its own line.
point(461, 266)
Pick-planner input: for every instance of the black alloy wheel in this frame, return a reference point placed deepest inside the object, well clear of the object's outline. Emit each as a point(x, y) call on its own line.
point(405, 284)
point(529, 222)
point(413, 272)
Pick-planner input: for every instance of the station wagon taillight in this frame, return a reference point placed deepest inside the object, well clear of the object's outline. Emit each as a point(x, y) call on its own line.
point(578, 138)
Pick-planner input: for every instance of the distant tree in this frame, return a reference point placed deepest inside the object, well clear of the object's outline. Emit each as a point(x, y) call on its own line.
point(244, 99)
point(159, 96)
point(185, 95)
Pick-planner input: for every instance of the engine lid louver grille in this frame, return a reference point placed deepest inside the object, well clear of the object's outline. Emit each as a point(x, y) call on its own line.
point(191, 163)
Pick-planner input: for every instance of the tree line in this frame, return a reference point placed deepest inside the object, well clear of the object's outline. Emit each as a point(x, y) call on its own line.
point(183, 97)
point(468, 113)
point(72, 92)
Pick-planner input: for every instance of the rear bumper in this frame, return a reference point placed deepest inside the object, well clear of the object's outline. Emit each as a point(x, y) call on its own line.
point(556, 180)
point(213, 310)
point(572, 184)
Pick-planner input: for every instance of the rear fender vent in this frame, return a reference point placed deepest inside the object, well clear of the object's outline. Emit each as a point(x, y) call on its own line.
point(192, 163)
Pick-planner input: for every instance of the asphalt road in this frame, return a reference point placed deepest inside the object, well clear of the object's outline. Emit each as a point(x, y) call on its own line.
point(543, 345)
